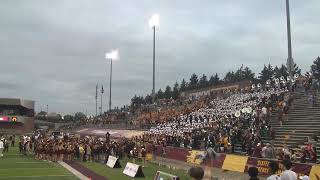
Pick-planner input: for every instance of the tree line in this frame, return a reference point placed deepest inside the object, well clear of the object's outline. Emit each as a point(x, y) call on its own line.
point(241, 74)
point(42, 115)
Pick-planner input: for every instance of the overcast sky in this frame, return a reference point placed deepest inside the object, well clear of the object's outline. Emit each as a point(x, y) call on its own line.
point(52, 51)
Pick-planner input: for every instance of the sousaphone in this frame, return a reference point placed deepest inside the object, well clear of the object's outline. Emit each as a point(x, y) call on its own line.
point(259, 86)
point(237, 114)
point(268, 82)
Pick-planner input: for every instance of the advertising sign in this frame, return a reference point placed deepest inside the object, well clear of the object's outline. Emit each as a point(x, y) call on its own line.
point(113, 162)
point(133, 170)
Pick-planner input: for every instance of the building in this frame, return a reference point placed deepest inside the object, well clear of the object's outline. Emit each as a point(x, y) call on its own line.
point(217, 90)
point(16, 116)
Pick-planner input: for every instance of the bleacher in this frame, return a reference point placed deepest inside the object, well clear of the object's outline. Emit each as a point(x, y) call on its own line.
point(303, 122)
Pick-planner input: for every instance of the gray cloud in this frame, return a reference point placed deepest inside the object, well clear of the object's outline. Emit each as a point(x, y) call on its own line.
point(53, 51)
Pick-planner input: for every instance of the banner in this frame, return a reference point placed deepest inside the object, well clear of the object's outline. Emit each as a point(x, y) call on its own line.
point(263, 166)
point(228, 162)
point(165, 176)
point(235, 163)
point(179, 154)
point(113, 162)
point(193, 156)
point(217, 163)
point(133, 170)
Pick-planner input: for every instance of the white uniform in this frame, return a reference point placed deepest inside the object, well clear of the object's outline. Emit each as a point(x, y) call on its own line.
point(1, 148)
point(274, 177)
point(288, 175)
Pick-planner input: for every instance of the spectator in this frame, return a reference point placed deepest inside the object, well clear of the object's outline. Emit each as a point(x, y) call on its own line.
point(288, 174)
point(304, 177)
point(257, 151)
point(196, 173)
point(286, 152)
point(143, 156)
point(270, 152)
point(1, 147)
point(274, 167)
point(81, 152)
point(303, 155)
point(253, 173)
point(13, 140)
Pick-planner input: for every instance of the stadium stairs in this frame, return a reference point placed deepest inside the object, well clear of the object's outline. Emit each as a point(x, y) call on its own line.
point(303, 122)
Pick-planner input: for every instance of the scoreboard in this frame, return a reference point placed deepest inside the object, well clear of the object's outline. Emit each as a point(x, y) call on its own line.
point(8, 119)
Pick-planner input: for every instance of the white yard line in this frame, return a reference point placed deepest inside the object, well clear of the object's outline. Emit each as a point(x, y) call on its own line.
point(73, 171)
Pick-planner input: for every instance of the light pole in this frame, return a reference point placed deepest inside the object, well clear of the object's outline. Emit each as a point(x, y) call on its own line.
point(96, 97)
point(290, 59)
point(112, 56)
point(154, 23)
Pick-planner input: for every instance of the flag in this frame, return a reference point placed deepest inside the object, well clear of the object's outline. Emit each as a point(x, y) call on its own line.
point(96, 91)
point(102, 91)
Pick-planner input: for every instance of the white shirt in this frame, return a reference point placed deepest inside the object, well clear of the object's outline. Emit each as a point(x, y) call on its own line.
point(288, 175)
point(274, 177)
point(305, 177)
point(1, 145)
point(263, 151)
point(264, 110)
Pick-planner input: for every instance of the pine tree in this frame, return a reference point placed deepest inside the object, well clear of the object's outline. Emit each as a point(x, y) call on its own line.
point(296, 69)
point(175, 91)
point(148, 99)
point(183, 85)
point(315, 68)
point(276, 72)
point(230, 77)
point(216, 79)
point(248, 74)
point(283, 71)
point(211, 80)
point(193, 81)
point(203, 81)
point(266, 73)
point(167, 93)
point(160, 94)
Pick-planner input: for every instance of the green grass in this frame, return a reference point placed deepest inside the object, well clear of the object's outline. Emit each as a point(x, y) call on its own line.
point(15, 166)
point(117, 173)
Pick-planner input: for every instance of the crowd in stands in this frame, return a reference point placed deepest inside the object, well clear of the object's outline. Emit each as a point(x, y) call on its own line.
point(235, 120)
point(241, 117)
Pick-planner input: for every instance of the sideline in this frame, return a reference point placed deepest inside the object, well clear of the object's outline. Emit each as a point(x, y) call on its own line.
point(73, 171)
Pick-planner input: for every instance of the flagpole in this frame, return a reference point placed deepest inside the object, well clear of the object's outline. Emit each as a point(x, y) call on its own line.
point(290, 62)
point(101, 100)
point(110, 84)
point(96, 100)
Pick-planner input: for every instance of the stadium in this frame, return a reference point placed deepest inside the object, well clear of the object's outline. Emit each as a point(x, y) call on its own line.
point(220, 112)
point(16, 116)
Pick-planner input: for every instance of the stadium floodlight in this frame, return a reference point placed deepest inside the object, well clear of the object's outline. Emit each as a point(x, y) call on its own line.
point(154, 24)
point(154, 21)
point(112, 56)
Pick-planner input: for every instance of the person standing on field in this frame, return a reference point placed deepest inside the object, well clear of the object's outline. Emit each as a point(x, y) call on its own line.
point(1, 147)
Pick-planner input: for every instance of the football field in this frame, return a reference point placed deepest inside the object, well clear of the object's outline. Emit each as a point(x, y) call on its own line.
point(15, 166)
